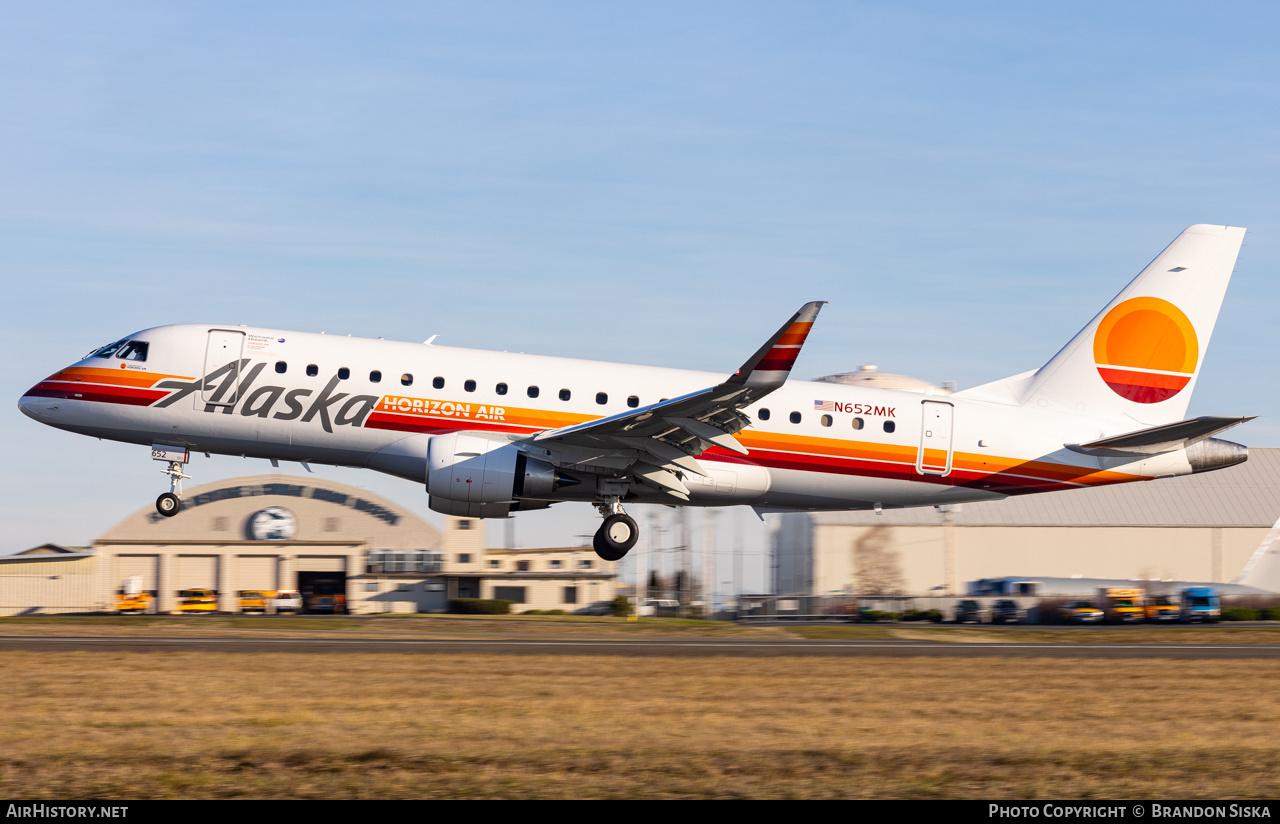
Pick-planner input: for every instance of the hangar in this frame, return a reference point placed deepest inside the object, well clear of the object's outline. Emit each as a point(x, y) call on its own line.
point(284, 532)
point(1201, 527)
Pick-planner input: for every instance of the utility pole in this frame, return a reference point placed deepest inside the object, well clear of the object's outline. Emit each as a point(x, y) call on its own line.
point(708, 563)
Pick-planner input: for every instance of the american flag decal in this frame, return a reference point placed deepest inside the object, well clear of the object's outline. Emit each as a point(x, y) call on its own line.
point(824, 406)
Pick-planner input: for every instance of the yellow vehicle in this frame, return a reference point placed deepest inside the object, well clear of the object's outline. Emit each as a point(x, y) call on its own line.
point(1122, 605)
point(1079, 612)
point(197, 601)
point(130, 597)
point(1162, 608)
point(255, 600)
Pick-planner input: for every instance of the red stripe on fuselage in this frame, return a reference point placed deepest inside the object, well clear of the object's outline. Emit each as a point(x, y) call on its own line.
point(64, 390)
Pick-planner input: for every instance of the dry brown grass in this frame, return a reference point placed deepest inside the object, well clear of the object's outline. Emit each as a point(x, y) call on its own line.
point(200, 725)
point(413, 626)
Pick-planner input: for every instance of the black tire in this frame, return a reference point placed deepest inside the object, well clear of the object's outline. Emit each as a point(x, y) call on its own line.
point(616, 536)
point(168, 504)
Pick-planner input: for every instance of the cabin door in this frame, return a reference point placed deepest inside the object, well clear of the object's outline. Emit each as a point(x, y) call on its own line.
point(222, 368)
point(934, 456)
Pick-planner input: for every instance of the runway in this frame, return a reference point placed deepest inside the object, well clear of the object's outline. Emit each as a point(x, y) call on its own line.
point(746, 648)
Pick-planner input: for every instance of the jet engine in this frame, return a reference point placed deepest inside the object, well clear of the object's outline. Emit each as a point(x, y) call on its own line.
point(480, 477)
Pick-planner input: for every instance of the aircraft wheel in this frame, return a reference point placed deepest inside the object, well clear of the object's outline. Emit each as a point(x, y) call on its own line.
point(616, 536)
point(168, 504)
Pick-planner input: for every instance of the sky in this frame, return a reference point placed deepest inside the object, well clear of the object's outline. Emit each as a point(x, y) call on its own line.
point(657, 183)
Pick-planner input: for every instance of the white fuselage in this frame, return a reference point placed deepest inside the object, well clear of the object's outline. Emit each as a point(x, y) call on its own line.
point(371, 403)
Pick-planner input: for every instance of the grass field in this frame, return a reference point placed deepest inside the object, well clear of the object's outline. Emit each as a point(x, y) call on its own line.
point(221, 725)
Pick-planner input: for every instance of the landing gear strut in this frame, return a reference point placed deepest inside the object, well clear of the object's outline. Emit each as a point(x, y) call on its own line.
point(170, 503)
point(617, 534)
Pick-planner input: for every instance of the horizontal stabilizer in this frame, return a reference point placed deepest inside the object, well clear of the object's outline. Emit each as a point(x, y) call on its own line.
point(1154, 440)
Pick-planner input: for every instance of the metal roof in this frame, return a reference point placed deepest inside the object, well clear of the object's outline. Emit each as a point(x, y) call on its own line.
point(1245, 495)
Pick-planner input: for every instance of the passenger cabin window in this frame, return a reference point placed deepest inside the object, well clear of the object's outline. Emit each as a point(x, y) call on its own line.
point(564, 394)
point(602, 398)
point(343, 373)
point(406, 379)
point(889, 426)
point(501, 389)
point(281, 367)
point(375, 376)
point(825, 420)
point(795, 417)
point(633, 401)
point(533, 391)
point(469, 386)
point(857, 423)
point(134, 350)
point(437, 382)
point(312, 370)
point(764, 414)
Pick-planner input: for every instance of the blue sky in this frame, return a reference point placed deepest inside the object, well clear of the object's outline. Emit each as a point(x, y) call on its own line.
point(660, 183)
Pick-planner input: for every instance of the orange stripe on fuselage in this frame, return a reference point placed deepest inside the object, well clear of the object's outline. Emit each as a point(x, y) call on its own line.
point(113, 377)
point(969, 462)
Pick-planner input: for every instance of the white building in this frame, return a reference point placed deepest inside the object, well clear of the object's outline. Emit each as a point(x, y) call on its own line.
point(1193, 528)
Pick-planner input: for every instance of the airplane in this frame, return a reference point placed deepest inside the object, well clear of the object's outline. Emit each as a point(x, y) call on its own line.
point(489, 434)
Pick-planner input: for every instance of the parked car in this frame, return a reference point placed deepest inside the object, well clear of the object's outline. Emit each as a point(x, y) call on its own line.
point(659, 606)
point(254, 600)
point(197, 602)
point(1080, 612)
point(970, 610)
point(1006, 610)
point(287, 600)
point(1162, 608)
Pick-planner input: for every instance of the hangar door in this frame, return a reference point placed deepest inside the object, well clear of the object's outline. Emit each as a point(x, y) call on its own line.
point(255, 572)
point(144, 566)
point(196, 572)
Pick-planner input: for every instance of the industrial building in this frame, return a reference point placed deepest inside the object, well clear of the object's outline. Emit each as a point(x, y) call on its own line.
point(282, 532)
point(1201, 527)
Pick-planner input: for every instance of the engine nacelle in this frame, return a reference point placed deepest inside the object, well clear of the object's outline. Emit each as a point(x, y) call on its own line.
point(479, 477)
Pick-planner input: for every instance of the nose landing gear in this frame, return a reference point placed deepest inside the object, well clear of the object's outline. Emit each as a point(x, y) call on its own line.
point(170, 503)
point(618, 534)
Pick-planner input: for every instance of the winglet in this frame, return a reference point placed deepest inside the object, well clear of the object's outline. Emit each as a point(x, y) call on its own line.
point(772, 363)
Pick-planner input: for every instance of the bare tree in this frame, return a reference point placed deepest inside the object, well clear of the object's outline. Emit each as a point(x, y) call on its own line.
point(877, 566)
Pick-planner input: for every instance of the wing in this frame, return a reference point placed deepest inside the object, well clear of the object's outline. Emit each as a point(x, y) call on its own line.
point(658, 444)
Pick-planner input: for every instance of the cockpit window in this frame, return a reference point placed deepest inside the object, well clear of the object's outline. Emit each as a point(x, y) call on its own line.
point(134, 350)
point(106, 351)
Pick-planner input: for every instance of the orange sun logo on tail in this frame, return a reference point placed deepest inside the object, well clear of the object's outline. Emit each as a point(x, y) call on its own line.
point(1146, 350)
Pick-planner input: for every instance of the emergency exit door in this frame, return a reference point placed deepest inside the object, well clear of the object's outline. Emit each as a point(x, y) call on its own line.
point(934, 456)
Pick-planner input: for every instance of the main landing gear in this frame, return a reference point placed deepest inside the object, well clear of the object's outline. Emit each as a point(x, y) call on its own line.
point(617, 534)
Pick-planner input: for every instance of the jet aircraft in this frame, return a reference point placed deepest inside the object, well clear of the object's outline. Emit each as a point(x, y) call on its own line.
point(490, 434)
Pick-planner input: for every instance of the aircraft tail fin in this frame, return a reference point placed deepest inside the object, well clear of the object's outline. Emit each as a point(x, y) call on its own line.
point(1262, 571)
point(1139, 358)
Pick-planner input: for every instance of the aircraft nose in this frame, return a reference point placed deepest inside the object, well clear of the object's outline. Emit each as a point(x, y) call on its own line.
point(33, 403)
point(27, 405)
